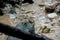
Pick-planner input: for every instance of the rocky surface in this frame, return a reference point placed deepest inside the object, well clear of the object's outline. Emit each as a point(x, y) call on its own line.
point(36, 14)
point(40, 19)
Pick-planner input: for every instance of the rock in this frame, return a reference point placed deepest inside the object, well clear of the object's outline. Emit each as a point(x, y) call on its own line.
point(12, 16)
point(8, 7)
point(42, 19)
point(48, 4)
point(57, 9)
point(52, 15)
point(12, 11)
point(26, 27)
point(17, 10)
point(48, 7)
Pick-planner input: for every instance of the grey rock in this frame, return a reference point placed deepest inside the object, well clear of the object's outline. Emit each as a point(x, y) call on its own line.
point(57, 9)
point(23, 26)
point(26, 27)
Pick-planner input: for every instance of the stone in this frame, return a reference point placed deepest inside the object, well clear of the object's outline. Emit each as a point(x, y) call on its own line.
point(12, 16)
point(52, 15)
point(42, 19)
point(25, 27)
point(17, 10)
point(50, 7)
point(48, 4)
point(57, 9)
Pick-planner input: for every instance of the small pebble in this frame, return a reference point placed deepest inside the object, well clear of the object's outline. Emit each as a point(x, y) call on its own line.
point(52, 15)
